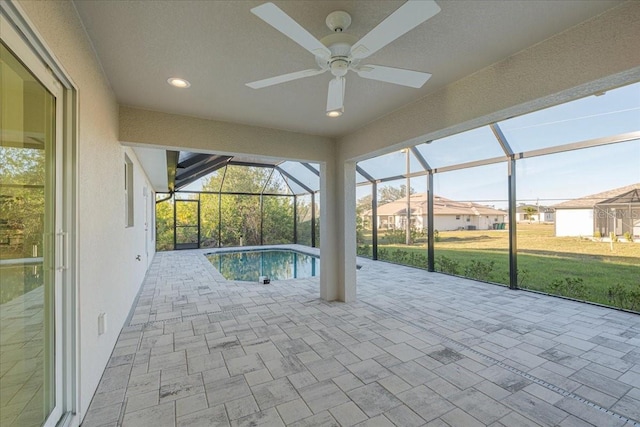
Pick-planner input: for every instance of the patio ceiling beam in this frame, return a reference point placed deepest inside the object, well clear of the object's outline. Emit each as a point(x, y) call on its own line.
point(212, 161)
point(423, 162)
point(188, 177)
point(264, 187)
point(474, 164)
point(194, 159)
point(294, 179)
point(172, 164)
point(502, 140)
point(365, 174)
point(403, 176)
point(597, 142)
point(234, 193)
point(251, 164)
point(311, 168)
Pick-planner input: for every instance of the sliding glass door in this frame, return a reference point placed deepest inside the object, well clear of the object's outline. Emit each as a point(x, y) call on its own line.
point(31, 247)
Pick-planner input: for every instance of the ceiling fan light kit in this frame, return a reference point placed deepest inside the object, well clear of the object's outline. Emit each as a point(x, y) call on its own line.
point(341, 52)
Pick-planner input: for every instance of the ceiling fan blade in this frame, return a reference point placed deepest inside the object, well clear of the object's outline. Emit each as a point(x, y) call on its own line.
point(404, 19)
point(335, 97)
point(397, 76)
point(284, 78)
point(274, 16)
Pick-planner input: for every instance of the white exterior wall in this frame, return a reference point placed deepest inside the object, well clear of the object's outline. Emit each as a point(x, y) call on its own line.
point(574, 222)
point(109, 276)
point(447, 222)
point(486, 223)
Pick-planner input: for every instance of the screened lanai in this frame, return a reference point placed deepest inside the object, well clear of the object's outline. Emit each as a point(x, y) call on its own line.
point(450, 204)
point(221, 201)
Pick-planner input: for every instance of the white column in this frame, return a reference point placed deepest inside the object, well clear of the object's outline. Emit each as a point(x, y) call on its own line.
point(337, 231)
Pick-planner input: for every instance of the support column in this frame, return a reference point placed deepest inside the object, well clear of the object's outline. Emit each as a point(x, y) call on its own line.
point(513, 246)
point(431, 264)
point(374, 221)
point(313, 220)
point(295, 219)
point(338, 231)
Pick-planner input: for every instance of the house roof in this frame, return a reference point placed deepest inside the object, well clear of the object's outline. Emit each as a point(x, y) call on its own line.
point(606, 197)
point(441, 206)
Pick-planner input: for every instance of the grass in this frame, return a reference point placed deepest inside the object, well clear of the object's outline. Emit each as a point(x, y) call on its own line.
point(542, 259)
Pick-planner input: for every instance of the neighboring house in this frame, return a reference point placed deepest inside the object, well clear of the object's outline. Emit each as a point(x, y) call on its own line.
point(447, 214)
point(616, 211)
point(541, 214)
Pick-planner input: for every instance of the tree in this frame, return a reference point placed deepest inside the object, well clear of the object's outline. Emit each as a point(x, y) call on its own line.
point(164, 223)
point(363, 206)
point(22, 201)
point(530, 211)
point(260, 211)
point(388, 194)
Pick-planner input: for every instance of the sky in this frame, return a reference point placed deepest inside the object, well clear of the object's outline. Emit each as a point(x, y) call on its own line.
point(546, 180)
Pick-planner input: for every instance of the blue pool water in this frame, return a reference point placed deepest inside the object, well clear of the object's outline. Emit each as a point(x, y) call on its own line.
point(275, 264)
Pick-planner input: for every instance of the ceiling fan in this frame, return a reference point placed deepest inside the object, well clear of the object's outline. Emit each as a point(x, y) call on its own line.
point(341, 52)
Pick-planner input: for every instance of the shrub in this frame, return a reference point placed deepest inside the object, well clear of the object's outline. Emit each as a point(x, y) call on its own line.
point(597, 235)
point(448, 265)
point(365, 250)
point(522, 275)
point(572, 287)
point(614, 237)
point(628, 236)
point(479, 270)
point(621, 296)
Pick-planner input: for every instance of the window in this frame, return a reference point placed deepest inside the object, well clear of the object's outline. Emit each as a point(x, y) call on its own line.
point(128, 191)
point(457, 216)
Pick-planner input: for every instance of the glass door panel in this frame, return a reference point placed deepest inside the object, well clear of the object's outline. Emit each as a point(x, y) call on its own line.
point(27, 224)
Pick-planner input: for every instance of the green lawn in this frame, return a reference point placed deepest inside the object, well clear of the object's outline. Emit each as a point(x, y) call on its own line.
point(571, 266)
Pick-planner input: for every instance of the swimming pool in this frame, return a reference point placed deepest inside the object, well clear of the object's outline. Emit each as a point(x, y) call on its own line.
point(275, 264)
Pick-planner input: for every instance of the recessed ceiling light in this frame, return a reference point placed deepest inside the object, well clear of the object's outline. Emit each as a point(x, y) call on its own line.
point(334, 113)
point(180, 83)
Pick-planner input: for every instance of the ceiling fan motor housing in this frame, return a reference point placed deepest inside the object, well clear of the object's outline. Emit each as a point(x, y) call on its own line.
point(340, 46)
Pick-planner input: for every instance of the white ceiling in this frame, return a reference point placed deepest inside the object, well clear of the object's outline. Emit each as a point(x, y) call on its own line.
point(219, 46)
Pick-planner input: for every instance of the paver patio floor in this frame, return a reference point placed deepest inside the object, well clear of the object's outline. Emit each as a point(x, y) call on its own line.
point(416, 349)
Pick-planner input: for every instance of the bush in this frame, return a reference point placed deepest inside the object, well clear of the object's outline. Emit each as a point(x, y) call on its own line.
point(522, 275)
point(628, 236)
point(479, 270)
point(623, 297)
point(400, 256)
point(598, 235)
point(614, 237)
point(365, 250)
point(448, 265)
point(572, 287)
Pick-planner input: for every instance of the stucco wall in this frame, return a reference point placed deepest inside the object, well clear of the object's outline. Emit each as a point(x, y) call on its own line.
point(141, 127)
point(109, 276)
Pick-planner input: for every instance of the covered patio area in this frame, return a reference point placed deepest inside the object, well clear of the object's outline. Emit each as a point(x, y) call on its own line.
point(417, 348)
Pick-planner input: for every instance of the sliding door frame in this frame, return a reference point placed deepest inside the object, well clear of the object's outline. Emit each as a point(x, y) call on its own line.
point(19, 34)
